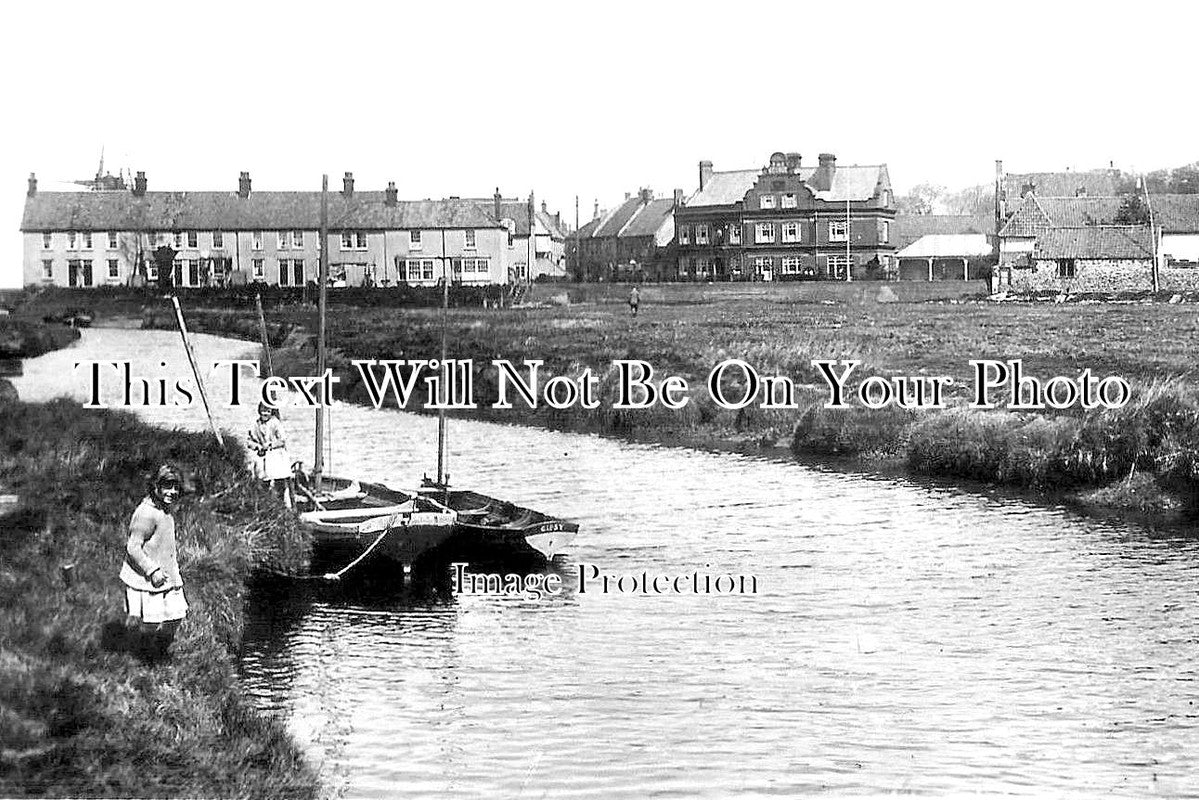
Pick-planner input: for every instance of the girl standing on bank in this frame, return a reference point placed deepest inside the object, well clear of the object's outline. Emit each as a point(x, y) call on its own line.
point(267, 441)
point(154, 601)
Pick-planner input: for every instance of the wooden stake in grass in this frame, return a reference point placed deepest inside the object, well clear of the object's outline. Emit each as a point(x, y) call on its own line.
point(191, 357)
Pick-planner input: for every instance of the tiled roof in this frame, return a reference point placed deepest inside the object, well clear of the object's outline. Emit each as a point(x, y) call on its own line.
point(101, 211)
point(850, 182)
point(910, 227)
point(947, 245)
point(588, 229)
point(1060, 184)
point(518, 212)
point(725, 188)
point(1176, 213)
point(1096, 242)
point(1037, 213)
point(649, 218)
point(612, 225)
point(515, 210)
point(551, 225)
point(1072, 212)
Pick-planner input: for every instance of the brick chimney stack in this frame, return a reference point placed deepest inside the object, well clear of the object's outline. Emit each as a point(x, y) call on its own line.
point(139, 184)
point(391, 196)
point(499, 207)
point(646, 196)
point(32, 185)
point(705, 174)
point(793, 160)
point(823, 179)
point(243, 185)
point(347, 185)
point(678, 198)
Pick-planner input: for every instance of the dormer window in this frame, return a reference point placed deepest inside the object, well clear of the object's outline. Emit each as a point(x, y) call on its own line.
point(766, 201)
point(789, 201)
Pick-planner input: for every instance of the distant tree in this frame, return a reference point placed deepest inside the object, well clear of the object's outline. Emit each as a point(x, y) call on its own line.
point(1177, 180)
point(976, 200)
point(1133, 210)
point(922, 199)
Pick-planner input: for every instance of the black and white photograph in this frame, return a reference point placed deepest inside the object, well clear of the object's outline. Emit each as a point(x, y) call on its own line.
point(614, 400)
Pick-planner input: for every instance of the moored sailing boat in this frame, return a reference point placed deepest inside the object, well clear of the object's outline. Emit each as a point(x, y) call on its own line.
point(345, 515)
point(486, 526)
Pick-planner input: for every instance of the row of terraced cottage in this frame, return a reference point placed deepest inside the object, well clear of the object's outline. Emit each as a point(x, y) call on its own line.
point(117, 234)
point(1050, 231)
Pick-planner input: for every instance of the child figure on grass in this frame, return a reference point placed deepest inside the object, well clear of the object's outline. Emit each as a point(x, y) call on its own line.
point(267, 441)
point(154, 601)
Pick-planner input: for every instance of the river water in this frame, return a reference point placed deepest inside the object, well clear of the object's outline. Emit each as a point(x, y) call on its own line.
point(903, 637)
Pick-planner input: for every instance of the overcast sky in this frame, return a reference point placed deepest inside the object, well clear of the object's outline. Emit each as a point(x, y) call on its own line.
point(594, 100)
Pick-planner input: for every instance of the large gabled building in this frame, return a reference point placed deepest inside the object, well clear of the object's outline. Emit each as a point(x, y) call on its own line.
point(107, 237)
point(788, 222)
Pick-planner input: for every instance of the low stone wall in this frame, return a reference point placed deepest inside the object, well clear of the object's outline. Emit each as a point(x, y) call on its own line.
point(1089, 276)
point(1179, 278)
point(1104, 276)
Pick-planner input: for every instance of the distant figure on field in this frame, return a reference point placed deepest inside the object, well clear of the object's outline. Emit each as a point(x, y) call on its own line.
point(267, 441)
point(634, 300)
point(154, 601)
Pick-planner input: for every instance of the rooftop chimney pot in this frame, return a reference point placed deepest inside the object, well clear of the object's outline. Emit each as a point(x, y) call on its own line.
point(243, 185)
point(392, 194)
point(139, 184)
point(824, 173)
point(347, 184)
point(705, 174)
point(32, 184)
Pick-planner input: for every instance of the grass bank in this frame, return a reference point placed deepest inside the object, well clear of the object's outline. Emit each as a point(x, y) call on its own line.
point(80, 715)
point(1136, 457)
point(24, 338)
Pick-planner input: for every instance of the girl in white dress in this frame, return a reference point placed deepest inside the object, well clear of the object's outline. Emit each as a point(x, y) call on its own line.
point(267, 441)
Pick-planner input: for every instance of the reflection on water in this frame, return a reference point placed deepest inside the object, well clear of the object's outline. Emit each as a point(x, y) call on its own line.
point(904, 637)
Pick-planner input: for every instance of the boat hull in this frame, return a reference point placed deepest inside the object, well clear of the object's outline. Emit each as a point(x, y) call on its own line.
point(487, 528)
point(396, 526)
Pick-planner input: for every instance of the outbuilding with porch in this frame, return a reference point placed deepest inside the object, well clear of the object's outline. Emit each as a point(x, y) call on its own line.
point(947, 257)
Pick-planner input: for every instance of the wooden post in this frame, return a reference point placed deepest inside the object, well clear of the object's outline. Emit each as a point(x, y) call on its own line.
point(930, 269)
point(191, 357)
point(966, 269)
point(266, 344)
point(318, 461)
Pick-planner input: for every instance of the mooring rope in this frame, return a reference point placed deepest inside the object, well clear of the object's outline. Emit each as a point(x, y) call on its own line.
point(336, 576)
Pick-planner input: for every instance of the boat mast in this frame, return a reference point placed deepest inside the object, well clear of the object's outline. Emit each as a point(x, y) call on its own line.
point(442, 478)
point(318, 462)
